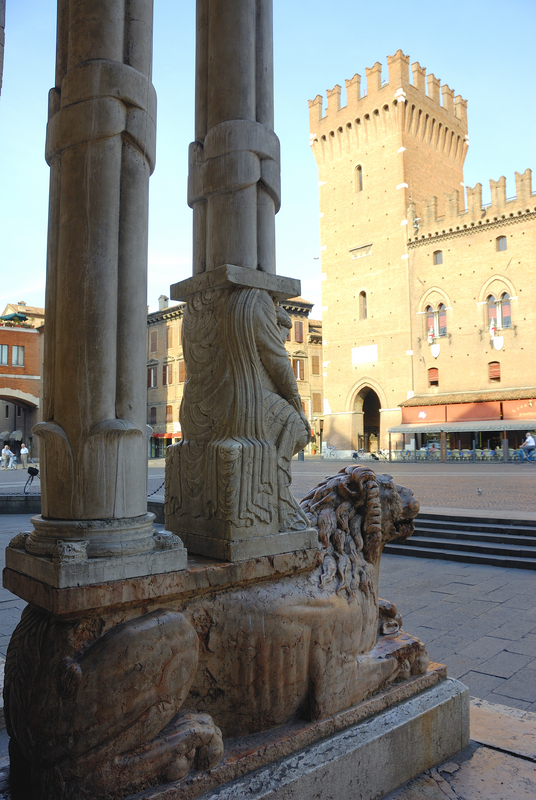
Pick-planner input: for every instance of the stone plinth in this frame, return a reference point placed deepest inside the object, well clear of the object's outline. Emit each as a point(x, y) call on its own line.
point(228, 480)
point(364, 752)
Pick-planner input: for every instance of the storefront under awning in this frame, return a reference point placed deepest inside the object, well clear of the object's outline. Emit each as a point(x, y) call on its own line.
point(466, 426)
point(460, 427)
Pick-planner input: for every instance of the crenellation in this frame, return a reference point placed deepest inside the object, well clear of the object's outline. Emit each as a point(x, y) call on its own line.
point(315, 112)
point(419, 77)
point(398, 69)
point(452, 205)
point(374, 78)
point(460, 108)
point(498, 193)
point(474, 200)
point(353, 92)
point(334, 99)
point(433, 87)
point(448, 98)
point(476, 214)
point(414, 111)
point(524, 185)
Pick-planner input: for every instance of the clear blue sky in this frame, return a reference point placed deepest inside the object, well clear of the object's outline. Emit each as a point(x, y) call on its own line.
point(483, 50)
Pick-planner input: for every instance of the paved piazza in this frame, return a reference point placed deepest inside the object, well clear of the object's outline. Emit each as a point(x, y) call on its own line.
point(477, 619)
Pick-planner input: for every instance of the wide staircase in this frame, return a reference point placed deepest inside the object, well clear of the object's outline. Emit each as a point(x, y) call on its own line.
point(473, 540)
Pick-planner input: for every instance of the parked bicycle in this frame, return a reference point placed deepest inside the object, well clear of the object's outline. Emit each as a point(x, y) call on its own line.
point(332, 450)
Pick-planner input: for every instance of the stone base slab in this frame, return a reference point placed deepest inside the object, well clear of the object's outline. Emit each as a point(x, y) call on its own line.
point(230, 275)
point(252, 547)
point(62, 575)
point(202, 576)
point(359, 754)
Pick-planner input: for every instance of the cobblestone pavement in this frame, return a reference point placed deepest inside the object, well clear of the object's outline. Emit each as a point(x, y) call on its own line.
point(505, 487)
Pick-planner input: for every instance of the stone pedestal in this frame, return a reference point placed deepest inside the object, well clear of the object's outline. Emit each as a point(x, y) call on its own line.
point(366, 760)
point(228, 481)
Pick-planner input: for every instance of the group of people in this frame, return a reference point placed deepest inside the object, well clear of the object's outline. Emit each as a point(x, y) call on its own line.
point(9, 459)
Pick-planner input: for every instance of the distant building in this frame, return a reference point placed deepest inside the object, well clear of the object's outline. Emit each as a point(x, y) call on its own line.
point(21, 337)
point(166, 370)
point(427, 307)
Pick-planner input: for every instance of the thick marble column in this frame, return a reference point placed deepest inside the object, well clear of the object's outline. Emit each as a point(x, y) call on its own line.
point(228, 480)
point(101, 150)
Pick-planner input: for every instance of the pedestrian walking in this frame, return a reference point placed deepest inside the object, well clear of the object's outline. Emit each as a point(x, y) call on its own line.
point(5, 456)
point(24, 455)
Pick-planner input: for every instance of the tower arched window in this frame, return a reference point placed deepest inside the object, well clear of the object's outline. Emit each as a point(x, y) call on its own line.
point(433, 376)
point(438, 257)
point(362, 305)
point(500, 243)
point(499, 312)
point(359, 178)
point(436, 321)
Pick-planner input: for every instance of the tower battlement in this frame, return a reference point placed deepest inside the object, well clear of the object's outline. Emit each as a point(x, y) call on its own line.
point(427, 224)
point(421, 106)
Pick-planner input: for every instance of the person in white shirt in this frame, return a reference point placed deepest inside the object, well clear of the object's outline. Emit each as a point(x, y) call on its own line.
point(24, 455)
point(529, 444)
point(5, 456)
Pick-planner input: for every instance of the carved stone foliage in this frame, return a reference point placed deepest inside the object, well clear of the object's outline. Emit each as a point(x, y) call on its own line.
point(241, 419)
point(94, 714)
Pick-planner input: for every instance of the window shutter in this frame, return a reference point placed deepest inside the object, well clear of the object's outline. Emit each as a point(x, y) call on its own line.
point(317, 403)
point(298, 331)
point(315, 365)
point(182, 372)
point(154, 341)
point(433, 376)
point(494, 371)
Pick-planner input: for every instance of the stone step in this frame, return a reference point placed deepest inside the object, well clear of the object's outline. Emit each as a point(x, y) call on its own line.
point(475, 536)
point(484, 525)
point(472, 545)
point(465, 556)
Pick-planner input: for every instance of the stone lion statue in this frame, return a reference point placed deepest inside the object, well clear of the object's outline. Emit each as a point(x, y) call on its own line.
point(141, 700)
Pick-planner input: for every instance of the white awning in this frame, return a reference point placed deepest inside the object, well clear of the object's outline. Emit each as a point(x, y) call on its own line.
point(462, 427)
point(4, 435)
point(16, 436)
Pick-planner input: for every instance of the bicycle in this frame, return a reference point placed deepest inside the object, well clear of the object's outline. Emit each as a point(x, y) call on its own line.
point(32, 473)
point(523, 455)
point(332, 448)
point(358, 455)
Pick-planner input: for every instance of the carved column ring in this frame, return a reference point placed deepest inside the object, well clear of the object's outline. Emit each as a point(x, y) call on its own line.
point(241, 134)
point(100, 100)
point(109, 79)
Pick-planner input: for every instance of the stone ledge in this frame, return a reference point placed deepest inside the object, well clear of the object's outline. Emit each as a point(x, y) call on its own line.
point(253, 547)
point(229, 275)
point(201, 576)
point(91, 571)
point(363, 752)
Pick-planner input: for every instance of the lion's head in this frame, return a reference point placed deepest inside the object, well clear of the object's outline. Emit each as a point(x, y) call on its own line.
point(356, 512)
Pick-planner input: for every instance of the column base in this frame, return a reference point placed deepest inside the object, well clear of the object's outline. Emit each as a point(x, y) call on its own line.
point(82, 556)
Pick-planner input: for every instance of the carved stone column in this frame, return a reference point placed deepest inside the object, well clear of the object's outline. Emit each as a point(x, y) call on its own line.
point(228, 481)
point(100, 147)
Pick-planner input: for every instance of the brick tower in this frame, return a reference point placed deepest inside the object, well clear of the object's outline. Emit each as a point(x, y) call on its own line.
point(392, 145)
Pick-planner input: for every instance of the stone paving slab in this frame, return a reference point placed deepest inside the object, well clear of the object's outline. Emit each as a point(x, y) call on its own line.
point(483, 774)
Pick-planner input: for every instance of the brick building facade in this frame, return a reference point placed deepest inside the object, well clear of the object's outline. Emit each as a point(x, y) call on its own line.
point(166, 371)
point(20, 376)
point(411, 281)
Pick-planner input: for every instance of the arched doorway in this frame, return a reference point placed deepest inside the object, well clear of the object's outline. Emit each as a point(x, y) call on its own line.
point(368, 404)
